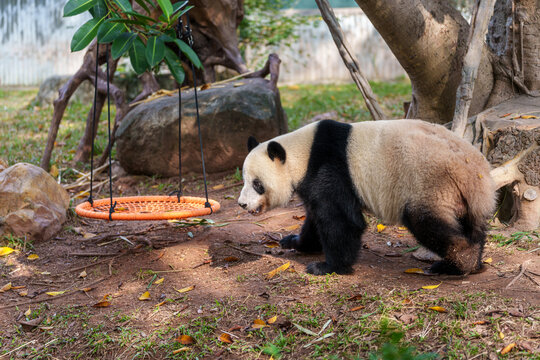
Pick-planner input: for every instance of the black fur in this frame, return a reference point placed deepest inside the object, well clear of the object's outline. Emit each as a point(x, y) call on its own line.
point(275, 150)
point(460, 246)
point(334, 221)
point(252, 143)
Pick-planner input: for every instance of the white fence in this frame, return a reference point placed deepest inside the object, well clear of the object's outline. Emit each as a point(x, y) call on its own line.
point(35, 39)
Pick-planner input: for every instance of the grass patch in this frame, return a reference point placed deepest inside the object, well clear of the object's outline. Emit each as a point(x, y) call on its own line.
point(302, 102)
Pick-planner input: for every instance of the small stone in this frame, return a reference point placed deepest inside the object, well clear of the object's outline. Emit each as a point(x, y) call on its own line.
point(424, 254)
point(530, 194)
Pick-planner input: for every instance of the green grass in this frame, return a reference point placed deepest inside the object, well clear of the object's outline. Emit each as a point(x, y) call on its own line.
point(24, 128)
point(302, 102)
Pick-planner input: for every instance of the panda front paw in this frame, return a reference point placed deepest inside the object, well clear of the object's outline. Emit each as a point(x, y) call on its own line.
point(289, 242)
point(322, 268)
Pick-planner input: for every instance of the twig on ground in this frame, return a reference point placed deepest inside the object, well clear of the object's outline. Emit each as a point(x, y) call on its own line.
point(374, 253)
point(52, 298)
point(92, 254)
point(4, 356)
point(247, 251)
point(531, 278)
point(522, 270)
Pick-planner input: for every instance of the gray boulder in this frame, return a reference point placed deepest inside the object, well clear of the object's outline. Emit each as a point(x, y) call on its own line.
point(31, 202)
point(147, 139)
point(48, 91)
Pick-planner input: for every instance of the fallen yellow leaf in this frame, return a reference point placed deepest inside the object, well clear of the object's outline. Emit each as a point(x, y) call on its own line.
point(431, 287)
point(226, 338)
point(507, 348)
point(529, 117)
point(186, 289)
point(276, 271)
point(145, 296)
point(4, 250)
point(272, 320)
point(258, 324)
point(292, 227)
point(33, 257)
point(83, 274)
point(185, 340)
point(5, 287)
point(182, 349)
point(18, 287)
point(501, 335)
point(488, 261)
point(88, 235)
point(438, 309)
point(23, 293)
point(380, 227)
point(481, 322)
point(158, 281)
point(55, 293)
point(414, 271)
point(294, 87)
point(272, 244)
point(402, 228)
point(102, 303)
point(356, 308)
point(218, 187)
point(28, 312)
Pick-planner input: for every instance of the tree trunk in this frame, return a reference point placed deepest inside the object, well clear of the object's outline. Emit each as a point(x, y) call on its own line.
point(429, 40)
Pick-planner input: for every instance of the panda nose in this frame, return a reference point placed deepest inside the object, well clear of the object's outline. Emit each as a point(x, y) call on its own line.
point(242, 205)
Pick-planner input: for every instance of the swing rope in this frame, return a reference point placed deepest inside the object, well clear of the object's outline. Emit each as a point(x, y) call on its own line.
point(148, 207)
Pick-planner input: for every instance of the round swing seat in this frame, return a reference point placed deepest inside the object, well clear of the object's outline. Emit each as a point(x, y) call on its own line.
point(147, 208)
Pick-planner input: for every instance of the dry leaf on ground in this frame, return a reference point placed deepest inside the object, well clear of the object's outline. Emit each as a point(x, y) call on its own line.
point(32, 257)
point(5, 287)
point(226, 338)
point(276, 271)
point(185, 340)
point(431, 287)
point(258, 324)
point(144, 296)
point(4, 250)
point(380, 227)
point(159, 281)
point(272, 320)
point(414, 271)
point(508, 348)
point(186, 289)
point(55, 293)
point(438, 309)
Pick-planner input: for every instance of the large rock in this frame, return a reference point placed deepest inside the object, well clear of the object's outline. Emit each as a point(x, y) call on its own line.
point(147, 139)
point(31, 202)
point(48, 91)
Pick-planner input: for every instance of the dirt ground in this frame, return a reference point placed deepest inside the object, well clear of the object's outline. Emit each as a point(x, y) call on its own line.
point(98, 313)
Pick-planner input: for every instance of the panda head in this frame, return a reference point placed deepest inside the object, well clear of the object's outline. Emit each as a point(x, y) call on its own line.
point(267, 183)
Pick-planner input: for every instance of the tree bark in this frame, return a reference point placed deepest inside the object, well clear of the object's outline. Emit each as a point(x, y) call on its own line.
point(483, 10)
point(428, 38)
point(350, 60)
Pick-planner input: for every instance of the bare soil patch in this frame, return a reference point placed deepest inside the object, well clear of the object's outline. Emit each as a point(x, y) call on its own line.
point(227, 261)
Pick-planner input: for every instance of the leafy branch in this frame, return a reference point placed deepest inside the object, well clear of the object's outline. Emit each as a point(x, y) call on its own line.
point(148, 40)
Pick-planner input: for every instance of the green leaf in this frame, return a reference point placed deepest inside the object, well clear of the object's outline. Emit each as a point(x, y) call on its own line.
point(177, 6)
point(155, 50)
point(124, 5)
point(99, 10)
point(167, 8)
point(143, 5)
point(142, 18)
point(109, 31)
point(177, 15)
point(175, 66)
point(122, 44)
point(137, 57)
point(85, 34)
point(188, 51)
point(75, 7)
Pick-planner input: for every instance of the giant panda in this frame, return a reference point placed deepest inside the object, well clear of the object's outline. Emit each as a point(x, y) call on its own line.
point(404, 171)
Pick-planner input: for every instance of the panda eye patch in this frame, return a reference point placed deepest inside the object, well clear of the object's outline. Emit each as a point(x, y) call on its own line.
point(258, 186)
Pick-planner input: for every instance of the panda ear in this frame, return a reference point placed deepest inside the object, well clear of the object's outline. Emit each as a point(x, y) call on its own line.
point(275, 150)
point(252, 143)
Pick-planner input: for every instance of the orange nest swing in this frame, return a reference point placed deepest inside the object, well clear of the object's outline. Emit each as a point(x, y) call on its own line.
point(147, 208)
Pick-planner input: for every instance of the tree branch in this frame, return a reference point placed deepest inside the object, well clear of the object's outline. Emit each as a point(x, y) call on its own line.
point(482, 13)
point(350, 60)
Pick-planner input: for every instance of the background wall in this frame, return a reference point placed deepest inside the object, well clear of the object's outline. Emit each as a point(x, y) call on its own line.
point(35, 39)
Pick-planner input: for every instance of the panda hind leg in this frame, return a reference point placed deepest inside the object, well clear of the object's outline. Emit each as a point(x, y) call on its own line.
point(307, 241)
point(459, 244)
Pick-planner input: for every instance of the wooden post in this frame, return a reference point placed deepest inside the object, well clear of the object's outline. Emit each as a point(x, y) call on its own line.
point(350, 60)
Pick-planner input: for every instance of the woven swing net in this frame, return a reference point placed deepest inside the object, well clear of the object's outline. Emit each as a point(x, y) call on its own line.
point(147, 208)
